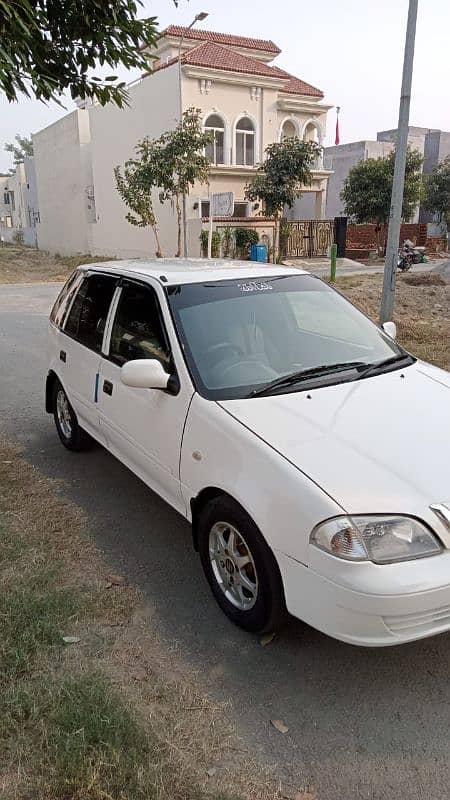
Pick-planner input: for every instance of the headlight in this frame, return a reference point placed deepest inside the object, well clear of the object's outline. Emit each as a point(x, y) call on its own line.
point(381, 539)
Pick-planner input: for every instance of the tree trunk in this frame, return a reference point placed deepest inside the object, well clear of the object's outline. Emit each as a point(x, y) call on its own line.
point(276, 240)
point(177, 203)
point(158, 243)
point(384, 230)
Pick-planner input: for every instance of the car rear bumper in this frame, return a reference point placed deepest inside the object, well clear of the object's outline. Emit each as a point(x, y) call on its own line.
point(360, 618)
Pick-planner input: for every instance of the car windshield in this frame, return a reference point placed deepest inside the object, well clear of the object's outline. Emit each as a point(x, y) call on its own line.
point(239, 336)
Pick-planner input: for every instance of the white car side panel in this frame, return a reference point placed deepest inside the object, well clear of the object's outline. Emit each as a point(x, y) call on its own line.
point(78, 377)
point(219, 452)
point(144, 427)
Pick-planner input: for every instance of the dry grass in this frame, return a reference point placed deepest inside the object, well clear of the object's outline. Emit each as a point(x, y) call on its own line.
point(19, 264)
point(114, 715)
point(422, 311)
point(423, 279)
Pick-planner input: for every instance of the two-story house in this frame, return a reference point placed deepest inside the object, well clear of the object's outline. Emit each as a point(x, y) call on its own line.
point(244, 99)
point(18, 204)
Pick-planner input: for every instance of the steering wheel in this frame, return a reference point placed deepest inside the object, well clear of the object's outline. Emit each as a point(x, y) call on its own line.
point(216, 348)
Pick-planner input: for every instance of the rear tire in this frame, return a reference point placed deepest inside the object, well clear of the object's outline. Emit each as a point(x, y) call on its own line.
point(72, 436)
point(240, 567)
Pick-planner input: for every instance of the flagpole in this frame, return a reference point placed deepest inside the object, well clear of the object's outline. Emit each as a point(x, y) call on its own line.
point(337, 138)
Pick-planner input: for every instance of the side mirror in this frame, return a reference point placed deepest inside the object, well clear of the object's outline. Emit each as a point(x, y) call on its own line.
point(145, 373)
point(391, 329)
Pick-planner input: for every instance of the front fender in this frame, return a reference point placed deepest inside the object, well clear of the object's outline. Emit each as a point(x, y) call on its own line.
point(218, 451)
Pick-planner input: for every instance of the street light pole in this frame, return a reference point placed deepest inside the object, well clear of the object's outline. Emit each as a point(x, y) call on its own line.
point(395, 216)
point(198, 18)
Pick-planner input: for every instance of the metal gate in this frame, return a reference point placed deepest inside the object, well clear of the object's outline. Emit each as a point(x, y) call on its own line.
point(307, 238)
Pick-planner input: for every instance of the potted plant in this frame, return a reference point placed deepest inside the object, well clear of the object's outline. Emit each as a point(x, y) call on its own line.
point(244, 238)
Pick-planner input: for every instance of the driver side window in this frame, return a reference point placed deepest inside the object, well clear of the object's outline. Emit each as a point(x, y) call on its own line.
point(138, 329)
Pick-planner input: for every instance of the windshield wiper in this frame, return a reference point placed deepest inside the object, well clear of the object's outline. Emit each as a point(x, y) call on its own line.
point(378, 366)
point(304, 375)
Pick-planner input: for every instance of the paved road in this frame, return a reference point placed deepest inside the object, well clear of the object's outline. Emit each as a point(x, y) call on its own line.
point(362, 723)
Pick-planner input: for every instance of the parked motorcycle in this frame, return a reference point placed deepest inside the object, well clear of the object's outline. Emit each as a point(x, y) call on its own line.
point(409, 254)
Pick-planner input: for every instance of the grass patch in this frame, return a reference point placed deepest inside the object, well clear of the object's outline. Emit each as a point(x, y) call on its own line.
point(72, 262)
point(97, 719)
point(81, 742)
point(33, 612)
point(19, 264)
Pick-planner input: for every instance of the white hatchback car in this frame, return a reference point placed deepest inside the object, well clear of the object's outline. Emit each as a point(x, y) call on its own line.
point(309, 450)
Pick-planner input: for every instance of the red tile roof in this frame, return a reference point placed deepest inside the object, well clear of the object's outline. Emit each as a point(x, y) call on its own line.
point(297, 86)
point(264, 45)
point(215, 56)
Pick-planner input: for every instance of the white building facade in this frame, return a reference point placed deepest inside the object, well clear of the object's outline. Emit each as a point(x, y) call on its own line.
point(243, 98)
point(432, 144)
point(19, 210)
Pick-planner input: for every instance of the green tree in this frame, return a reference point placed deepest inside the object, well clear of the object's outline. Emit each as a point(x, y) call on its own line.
point(21, 148)
point(367, 189)
point(183, 162)
point(281, 176)
point(48, 46)
point(136, 193)
point(437, 191)
point(171, 164)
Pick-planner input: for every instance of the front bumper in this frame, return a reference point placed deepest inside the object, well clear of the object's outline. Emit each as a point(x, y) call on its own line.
point(364, 611)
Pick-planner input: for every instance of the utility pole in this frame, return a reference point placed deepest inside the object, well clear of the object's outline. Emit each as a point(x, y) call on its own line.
point(395, 217)
point(198, 18)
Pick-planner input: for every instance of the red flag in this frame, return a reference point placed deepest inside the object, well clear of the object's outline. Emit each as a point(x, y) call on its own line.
point(337, 140)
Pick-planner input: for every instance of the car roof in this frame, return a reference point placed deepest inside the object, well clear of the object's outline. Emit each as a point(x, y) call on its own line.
point(170, 271)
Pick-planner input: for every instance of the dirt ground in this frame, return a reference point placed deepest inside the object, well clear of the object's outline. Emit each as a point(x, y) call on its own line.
point(25, 265)
point(421, 312)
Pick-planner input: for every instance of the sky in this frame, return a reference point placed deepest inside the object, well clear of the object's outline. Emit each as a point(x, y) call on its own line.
point(351, 49)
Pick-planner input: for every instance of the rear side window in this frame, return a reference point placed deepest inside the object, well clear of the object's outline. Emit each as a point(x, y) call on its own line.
point(87, 318)
point(64, 299)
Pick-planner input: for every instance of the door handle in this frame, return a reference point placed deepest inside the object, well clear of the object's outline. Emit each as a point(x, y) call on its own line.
point(62, 356)
point(108, 387)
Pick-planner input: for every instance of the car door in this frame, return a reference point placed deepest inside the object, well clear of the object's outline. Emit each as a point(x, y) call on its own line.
point(143, 427)
point(80, 344)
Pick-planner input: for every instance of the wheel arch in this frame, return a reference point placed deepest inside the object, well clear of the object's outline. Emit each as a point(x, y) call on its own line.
point(200, 501)
point(205, 496)
point(52, 378)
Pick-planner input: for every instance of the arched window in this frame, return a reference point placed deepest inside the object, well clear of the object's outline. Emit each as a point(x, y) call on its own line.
point(245, 142)
point(215, 150)
point(311, 133)
point(288, 130)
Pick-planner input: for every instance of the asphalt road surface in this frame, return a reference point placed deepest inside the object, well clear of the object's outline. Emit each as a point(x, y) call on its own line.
point(362, 723)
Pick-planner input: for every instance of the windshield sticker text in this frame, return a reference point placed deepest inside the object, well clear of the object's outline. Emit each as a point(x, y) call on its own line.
point(255, 286)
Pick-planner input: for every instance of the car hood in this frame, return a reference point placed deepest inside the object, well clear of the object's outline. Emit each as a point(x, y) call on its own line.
point(381, 444)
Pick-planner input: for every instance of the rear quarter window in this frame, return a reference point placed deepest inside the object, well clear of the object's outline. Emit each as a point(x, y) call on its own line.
point(64, 300)
point(88, 313)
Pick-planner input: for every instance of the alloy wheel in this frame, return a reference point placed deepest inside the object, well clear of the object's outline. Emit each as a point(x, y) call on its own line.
point(64, 414)
point(233, 566)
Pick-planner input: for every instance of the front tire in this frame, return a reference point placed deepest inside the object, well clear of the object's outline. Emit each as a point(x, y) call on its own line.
point(72, 436)
point(240, 568)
